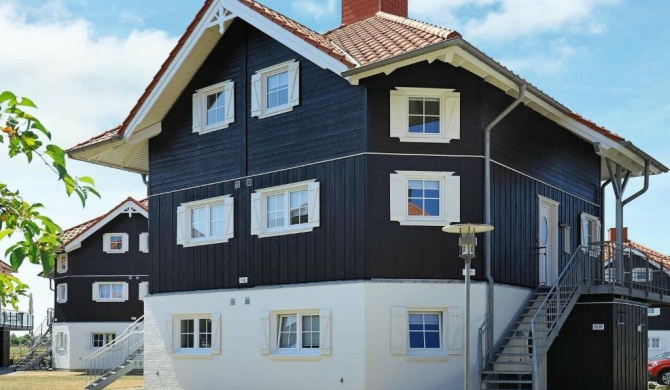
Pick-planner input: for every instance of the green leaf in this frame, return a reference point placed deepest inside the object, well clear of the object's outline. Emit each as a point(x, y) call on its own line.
point(7, 95)
point(26, 102)
point(16, 258)
point(6, 233)
point(86, 179)
point(56, 153)
point(47, 260)
point(93, 191)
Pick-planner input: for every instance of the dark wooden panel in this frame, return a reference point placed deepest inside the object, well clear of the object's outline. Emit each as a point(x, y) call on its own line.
point(425, 75)
point(422, 252)
point(80, 306)
point(614, 358)
point(329, 122)
point(515, 208)
point(661, 321)
point(332, 251)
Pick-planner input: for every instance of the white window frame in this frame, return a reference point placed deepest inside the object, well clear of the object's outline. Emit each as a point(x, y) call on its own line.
point(105, 338)
point(61, 293)
point(270, 327)
point(200, 125)
point(259, 215)
point(450, 114)
point(60, 341)
point(61, 263)
point(590, 229)
point(653, 311)
point(451, 332)
point(98, 298)
point(450, 198)
point(650, 343)
point(259, 89)
point(143, 290)
point(642, 271)
point(107, 242)
point(173, 339)
point(144, 242)
point(184, 221)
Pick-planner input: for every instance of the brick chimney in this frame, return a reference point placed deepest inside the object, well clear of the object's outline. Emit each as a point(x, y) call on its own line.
point(624, 236)
point(356, 10)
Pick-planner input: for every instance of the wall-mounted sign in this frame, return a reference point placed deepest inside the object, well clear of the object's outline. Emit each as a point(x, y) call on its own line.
point(598, 326)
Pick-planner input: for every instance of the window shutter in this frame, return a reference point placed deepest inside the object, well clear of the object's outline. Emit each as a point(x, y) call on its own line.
point(455, 330)
point(143, 290)
point(596, 235)
point(452, 112)
point(255, 214)
point(144, 242)
point(62, 263)
point(229, 98)
point(105, 243)
point(399, 330)
point(216, 333)
point(256, 95)
point(294, 83)
point(453, 198)
point(125, 291)
point(181, 225)
point(64, 340)
point(197, 112)
point(324, 331)
point(88, 342)
point(96, 292)
point(64, 300)
point(126, 243)
point(265, 332)
point(398, 114)
point(398, 197)
point(229, 217)
point(313, 203)
point(168, 333)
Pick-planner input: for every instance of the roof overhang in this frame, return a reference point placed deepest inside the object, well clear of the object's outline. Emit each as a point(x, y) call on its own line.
point(460, 53)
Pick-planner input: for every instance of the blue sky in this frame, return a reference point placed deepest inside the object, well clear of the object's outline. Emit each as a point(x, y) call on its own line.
point(85, 62)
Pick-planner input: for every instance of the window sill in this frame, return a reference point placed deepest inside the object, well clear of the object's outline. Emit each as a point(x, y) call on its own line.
point(437, 138)
point(284, 231)
point(110, 300)
point(275, 111)
point(426, 222)
point(221, 240)
point(427, 356)
point(115, 251)
point(304, 356)
point(193, 355)
point(213, 128)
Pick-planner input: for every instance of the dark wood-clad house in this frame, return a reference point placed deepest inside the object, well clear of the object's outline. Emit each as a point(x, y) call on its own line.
point(298, 183)
point(101, 279)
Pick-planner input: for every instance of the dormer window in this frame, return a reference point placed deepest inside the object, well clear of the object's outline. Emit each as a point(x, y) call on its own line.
point(214, 107)
point(275, 90)
point(115, 243)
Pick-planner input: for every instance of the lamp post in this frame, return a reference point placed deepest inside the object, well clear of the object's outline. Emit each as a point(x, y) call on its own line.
point(467, 243)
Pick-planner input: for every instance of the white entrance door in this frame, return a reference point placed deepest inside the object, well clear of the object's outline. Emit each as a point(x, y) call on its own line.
point(547, 238)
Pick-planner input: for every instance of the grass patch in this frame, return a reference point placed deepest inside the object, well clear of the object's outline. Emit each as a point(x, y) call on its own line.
point(40, 380)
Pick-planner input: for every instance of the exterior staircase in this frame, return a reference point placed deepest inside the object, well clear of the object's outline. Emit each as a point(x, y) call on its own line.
point(36, 353)
point(118, 358)
point(515, 363)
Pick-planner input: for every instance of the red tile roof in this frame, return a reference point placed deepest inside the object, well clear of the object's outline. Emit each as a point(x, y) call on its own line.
point(5, 268)
point(72, 233)
point(385, 36)
point(105, 136)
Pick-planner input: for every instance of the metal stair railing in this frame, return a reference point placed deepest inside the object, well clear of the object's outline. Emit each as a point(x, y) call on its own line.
point(128, 345)
point(39, 344)
point(556, 307)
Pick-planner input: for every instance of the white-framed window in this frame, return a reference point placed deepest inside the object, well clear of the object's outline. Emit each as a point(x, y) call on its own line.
point(653, 311)
point(287, 209)
point(61, 263)
point(425, 114)
point(214, 107)
point(115, 242)
point(296, 332)
point(61, 293)
point(654, 343)
point(428, 331)
point(590, 232)
point(193, 334)
point(60, 340)
point(276, 89)
point(425, 198)
point(207, 221)
point(99, 340)
point(143, 290)
point(110, 291)
point(642, 275)
point(144, 242)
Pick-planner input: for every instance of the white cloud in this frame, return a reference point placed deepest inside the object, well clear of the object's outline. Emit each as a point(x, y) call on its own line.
point(554, 59)
point(316, 9)
point(84, 82)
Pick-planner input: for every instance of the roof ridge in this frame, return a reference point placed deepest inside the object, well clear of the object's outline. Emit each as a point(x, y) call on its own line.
point(419, 25)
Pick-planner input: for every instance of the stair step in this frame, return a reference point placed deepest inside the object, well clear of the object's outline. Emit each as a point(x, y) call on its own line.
point(514, 363)
point(514, 354)
point(510, 381)
point(489, 372)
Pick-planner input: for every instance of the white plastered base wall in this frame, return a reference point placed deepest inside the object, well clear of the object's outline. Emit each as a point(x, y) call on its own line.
point(360, 337)
point(78, 342)
point(663, 339)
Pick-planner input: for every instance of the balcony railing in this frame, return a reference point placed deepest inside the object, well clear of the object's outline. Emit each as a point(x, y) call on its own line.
point(16, 320)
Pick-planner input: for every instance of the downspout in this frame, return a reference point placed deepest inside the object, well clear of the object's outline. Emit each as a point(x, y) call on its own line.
point(644, 188)
point(487, 209)
point(145, 179)
point(602, 208)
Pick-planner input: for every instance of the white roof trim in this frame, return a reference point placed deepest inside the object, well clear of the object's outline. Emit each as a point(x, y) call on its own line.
point(120, 209)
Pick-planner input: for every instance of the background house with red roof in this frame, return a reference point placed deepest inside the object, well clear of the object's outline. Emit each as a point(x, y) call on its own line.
point(298, 183)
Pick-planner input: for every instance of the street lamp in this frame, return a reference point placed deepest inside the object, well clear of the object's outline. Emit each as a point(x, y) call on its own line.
point(467, 243)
